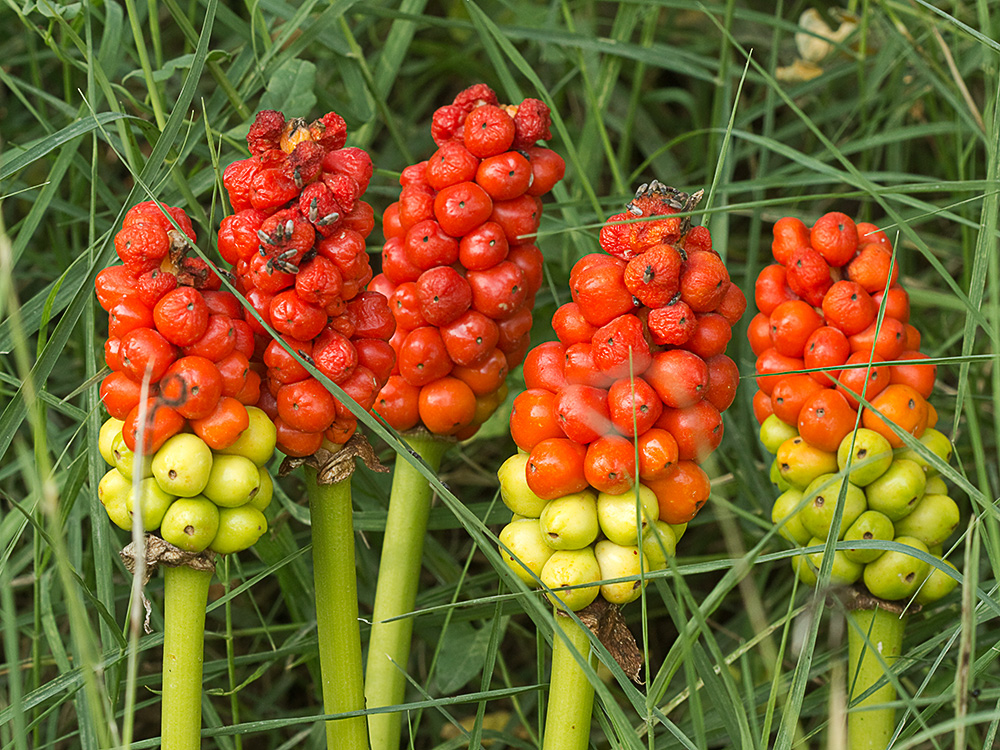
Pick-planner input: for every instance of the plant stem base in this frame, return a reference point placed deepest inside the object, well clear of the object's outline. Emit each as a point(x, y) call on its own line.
point(870, 722)
point(396, 589)
point(185, 601)
point(337, 624)
point(571, 696)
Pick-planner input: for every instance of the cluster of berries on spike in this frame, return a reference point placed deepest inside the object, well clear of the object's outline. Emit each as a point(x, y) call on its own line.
point(297, 246)
point(459, 264)
point(173, 332)
point(639, 370)
point(832, 303)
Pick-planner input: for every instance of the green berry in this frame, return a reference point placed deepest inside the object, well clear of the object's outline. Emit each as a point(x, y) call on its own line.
point(931, 521)
point(570, 522)
point(785, 513)
point(527, 549)
point(572, 568)
point(896, 575)
point(190, 523)
point(154, 503)
point(822, 496)
point(869, 526)
point(239, 528)
point(868, 453)
point(183, 464)
point(617, 514)
point(659, 542)
point(616, 561)
point(514, 490)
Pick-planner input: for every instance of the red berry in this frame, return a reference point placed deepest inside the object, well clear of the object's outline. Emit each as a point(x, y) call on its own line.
point(444, 294)
point(461, 208)
point(504, 176)
point(488, 131)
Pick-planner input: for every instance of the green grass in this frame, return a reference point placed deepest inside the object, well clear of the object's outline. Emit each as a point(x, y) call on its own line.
point(101, 107)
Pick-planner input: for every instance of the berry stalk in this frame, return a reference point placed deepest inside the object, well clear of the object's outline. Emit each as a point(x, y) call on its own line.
point(875, 641)
point(185, 601)
point(396, 589)
point(337, 609)
point(571, 696)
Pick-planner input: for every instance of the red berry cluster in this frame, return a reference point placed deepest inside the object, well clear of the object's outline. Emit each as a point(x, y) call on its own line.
point(819, 307)
point(459, 265)
point(639, 366)
point(297, 245)
point(168, 323)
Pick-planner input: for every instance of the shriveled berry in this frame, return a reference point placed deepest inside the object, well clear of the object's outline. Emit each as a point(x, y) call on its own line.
point(654, 276)
point(620, 349)
point(704, 281)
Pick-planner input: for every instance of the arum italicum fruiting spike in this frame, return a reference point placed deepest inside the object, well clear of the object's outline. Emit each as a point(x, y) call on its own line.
point(595, 512)
point(454, 211)
point(891, 502)
point(317, 267)
point(162, 448)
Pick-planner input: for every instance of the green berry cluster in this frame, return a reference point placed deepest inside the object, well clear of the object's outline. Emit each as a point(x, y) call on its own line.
point(573, 542)
point(884, 494)
point(198, 498)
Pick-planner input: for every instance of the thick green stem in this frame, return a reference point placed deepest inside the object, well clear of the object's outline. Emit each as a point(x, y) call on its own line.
point(876, 637)
point(336, 586)
point(396, 590)
point(185, 600)
point(571, 696)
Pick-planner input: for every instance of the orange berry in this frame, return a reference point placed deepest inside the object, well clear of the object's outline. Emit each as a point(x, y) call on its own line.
point(762, 406)
point(723, 377)
point(792, 323)
point(771, 288)
point(873, 268)
point(672, 324)
point(710, 337)
point(861, 380)
point(789, 235)
point(609, 465)
point(897, 303)
point(827, 347)
point(697, 429)
point(759, 333)
point(887, 341)
point(733, 304)
point(835, 237)
point(870, 234)
point(826, 418)
point(901, 405)
point(849, 307)
point(808, 275)
point(681, 492)
point(555, 468)
point(654, 277)
point(703, 280)
point(582, 412)
point(771, 366)
point(658, 451)
point(533, 418)
point(919, 377)
point(790, 393)
point(446, 405)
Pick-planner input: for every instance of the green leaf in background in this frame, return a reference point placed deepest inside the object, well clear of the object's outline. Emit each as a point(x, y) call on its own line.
point(462, 657)
point(291, 89)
